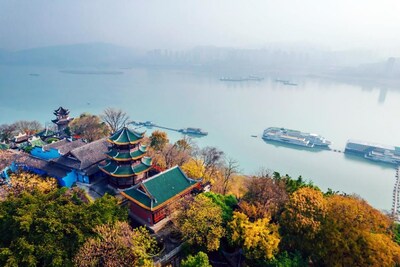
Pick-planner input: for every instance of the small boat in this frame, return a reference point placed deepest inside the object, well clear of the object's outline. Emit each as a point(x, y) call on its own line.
point(34, 74)
point(194, 131)
point(143, 123)
point(255, 136)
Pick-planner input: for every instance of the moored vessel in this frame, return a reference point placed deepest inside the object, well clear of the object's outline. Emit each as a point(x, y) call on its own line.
point(295, 137)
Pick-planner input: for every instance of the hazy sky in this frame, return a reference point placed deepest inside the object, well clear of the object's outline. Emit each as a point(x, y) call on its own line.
point(337, 24)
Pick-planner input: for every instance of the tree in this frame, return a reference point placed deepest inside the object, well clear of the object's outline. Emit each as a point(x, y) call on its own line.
point(28, 127)
point(200, 222)
point(293, 184)
point(194, 168)
point(211, 157)
point(38, 229)
point(114, 118)
point(28, 182)
point(229, 169)
point(226, 202)
point(302, 221)
point(7, 132)
point(117, 245)
point(158, 140)
point(355, 234)
point(198, 260)
point(89, 127)
point(264, 197)
point(259, 239)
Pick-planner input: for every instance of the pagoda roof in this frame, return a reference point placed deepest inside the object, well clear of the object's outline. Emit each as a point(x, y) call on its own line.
point(115, 170)
point(125, 136)
point(62, 121)
point(126, 156)
point(160, 189)
point(61, 111)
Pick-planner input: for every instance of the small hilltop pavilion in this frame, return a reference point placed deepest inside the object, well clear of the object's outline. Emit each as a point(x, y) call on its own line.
point(126, 163)
point(62, 120)
point(150, 199)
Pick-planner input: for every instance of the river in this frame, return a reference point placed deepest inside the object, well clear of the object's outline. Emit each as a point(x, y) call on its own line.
point(231, 112)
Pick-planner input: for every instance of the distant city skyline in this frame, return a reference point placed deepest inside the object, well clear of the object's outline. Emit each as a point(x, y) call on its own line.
point(178, 24)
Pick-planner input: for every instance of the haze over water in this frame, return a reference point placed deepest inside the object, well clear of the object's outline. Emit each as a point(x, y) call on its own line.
point(231, 112)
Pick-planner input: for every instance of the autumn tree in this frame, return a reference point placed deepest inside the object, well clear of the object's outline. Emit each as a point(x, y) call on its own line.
point(117, 245)
point(27, 127)
point(114, 118)
point(194, 168)
point(198, 260)
point(264, 197)
point(89, 127)
point(200, 222)
point(38, 229)
point(158, 140)
point(28, 182)
point(212, 159)
point(356, 234)
point(259, 239)
point(302, 221)
point(7, 132)
point(229, 169)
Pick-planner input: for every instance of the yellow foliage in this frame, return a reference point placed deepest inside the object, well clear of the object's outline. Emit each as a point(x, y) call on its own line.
point(305, 211)
point(260, 239)
point(24, 181)
point(357, 234)
point(194, 168)
point(200, 222)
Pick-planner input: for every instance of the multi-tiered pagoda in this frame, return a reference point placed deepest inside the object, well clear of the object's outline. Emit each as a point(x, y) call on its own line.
point(126, 164)
point(62, 119)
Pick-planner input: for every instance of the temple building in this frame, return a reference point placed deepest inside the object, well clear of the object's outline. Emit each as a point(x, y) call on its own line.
point(127, 164)
point(150, 199)
point(62, 120)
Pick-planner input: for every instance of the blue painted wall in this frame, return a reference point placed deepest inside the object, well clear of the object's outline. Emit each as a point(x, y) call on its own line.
point(73, 177)
point(52, 153)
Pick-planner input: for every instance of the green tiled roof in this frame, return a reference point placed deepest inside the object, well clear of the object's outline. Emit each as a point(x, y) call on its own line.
point(125, 136)
point(112, 168)
point(124, 156)
point(160, 188)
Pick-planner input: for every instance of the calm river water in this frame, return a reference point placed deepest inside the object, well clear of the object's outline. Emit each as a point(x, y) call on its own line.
point(231, 112)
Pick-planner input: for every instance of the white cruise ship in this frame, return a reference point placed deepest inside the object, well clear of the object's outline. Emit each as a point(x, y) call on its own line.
point(295, 137)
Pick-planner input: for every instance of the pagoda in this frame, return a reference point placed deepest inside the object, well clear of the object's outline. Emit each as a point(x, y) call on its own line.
point(62, 119)
point(126, 163)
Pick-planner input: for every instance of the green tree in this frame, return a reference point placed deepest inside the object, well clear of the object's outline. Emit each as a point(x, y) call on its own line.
point(200, 222)
point(39, 229)
point(117, 245)
point(226, 202)
point(198, 260)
